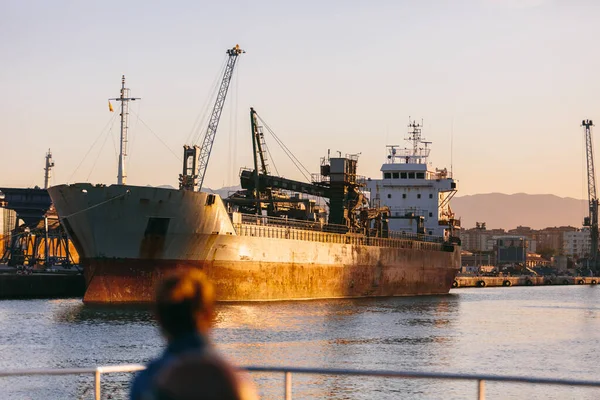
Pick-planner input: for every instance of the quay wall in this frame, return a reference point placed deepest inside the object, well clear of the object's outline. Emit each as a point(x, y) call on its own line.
point(41, 286)
point(507, 281)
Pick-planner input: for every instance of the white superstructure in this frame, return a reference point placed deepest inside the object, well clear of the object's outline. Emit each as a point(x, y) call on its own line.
point(417, 195)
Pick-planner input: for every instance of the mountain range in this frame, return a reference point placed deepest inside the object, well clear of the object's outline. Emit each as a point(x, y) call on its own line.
point(508, 211)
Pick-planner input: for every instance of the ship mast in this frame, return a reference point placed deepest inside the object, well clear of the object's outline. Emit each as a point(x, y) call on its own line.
point(48, 169)
point(124, 99)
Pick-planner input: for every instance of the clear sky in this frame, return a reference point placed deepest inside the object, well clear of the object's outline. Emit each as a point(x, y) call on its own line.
point(511, 78)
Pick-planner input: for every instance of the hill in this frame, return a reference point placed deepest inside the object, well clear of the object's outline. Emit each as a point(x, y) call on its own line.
point(508, 211)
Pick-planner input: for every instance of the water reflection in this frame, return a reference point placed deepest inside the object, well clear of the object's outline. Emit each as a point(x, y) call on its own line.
point(545, 331)
point(80, 313)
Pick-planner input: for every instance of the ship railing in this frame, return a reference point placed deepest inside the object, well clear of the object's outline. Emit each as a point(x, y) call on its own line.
point(479, 380)
point(292, 223)
point(421, 237)
point(406, 241)
point(249, 219)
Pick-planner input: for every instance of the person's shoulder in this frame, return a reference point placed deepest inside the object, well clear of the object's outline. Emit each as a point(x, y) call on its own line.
point(203, 374)
point(143, 380)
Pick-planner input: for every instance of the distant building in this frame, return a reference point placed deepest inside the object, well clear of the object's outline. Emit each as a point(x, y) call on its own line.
point(552, 237)
point(479, 238)
point(511, 249)
point(577, 244)
point(522, 231)
point(536, 260)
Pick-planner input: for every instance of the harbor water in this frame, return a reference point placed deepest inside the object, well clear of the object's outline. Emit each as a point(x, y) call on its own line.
point(527, 331)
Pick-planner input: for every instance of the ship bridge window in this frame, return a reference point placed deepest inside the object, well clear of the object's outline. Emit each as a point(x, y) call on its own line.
point(419, 196)
point(389, 196)
point(403, 195)
point(402, 175)
point(395, 175)
point(431, 195)
point(387, 175)
point(411, 175)
point(420, 175)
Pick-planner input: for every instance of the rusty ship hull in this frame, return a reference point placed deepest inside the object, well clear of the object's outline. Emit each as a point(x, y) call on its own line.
point(128, 237)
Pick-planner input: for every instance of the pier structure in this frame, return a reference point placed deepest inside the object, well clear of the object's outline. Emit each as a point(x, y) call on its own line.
point(39, 240)
point(523, 280)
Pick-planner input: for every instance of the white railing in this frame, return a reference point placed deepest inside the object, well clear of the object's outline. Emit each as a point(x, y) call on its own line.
point(288, 371)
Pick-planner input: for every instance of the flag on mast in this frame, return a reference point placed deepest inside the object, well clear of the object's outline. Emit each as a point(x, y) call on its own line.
point(110, 107)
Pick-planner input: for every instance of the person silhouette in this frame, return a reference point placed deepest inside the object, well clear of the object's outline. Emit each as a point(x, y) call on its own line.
point(189, 368)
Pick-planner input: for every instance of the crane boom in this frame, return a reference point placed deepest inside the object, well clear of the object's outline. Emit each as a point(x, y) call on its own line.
point(592, 220)
point(194, 182)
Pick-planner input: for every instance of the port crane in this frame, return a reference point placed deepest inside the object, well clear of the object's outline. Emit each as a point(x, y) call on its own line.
point(591, 220)
point(194, 164)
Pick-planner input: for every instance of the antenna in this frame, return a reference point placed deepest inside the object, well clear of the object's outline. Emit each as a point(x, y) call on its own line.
point(124, 99)
point(451, 147)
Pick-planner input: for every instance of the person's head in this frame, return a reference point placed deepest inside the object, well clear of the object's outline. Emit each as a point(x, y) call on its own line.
point(184, 303)
point(202, 377)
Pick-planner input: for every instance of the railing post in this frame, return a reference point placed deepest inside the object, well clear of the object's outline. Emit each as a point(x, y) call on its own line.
point(97, 384)
point(481, 389)
point(288, 386)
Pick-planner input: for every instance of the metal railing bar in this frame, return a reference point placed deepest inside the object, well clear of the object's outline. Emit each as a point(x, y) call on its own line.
point(121, 368)
point(97, 384)
point(288, 386)
point(321, 371)
point(48, 371)
point(426, 375)
point(481, 389)
point(73, 371)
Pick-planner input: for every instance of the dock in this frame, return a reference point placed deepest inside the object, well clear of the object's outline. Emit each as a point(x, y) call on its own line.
point(525, 280)
point(40, 285)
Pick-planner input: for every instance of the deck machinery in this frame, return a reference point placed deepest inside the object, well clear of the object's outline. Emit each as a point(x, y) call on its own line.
point(337, 182)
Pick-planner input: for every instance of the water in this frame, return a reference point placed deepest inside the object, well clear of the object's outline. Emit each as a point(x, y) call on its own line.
point(529, 331)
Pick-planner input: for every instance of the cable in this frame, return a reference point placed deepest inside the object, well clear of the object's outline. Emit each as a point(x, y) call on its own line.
point(204, 109)
point(229, 172)
point(196, 131)
point(111, 119)
point(290, 154)
point(158, 137)
point(134, 136)
point(99, 153)
point(272, 160)
point(112, 137)
point(237, 95)
point(287, 151)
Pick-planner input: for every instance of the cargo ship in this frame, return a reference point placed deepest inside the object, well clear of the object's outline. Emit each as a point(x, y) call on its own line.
point(259, 244)
point(271, 240)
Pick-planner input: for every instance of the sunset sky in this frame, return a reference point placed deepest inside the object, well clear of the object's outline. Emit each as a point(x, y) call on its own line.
point(511, 79)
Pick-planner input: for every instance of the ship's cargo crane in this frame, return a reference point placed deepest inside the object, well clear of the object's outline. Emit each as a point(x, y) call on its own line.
point(591, 220)
point(192, 178)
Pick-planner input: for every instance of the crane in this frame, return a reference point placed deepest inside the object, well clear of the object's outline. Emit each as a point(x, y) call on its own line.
point(591, 221)
point(193, 174)
point(260, 151)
